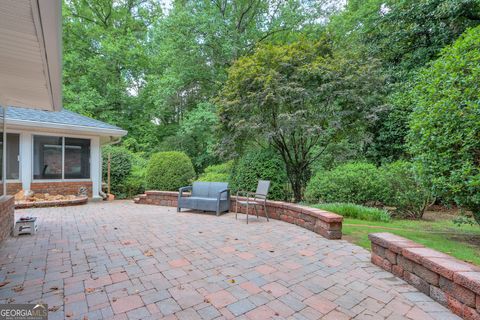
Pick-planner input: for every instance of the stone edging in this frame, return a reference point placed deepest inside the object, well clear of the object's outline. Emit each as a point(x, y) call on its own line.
point(453, 283)
point(51, 203)
point(327, 224)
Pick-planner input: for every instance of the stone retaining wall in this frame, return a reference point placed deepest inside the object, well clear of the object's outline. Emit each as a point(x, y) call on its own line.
point(7, 216)
point(451, 282)
point(325, 223)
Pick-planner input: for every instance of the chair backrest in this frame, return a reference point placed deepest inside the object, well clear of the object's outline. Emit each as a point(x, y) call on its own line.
point(208, 189)
point(262, 189)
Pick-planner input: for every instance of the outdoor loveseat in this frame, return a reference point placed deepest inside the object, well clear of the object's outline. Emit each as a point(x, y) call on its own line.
point(205, 196)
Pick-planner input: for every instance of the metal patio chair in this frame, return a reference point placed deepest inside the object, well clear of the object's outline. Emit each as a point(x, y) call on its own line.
point(259, 198)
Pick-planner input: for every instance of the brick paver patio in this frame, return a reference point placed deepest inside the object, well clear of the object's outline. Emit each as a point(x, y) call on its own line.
point(126, 261)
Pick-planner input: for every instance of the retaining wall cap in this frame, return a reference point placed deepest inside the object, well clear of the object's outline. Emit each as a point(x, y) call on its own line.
point(447, 267)
point(470, 280)
point(420, 254)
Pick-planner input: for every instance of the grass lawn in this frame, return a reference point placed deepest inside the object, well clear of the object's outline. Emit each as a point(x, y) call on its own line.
point(443, 235)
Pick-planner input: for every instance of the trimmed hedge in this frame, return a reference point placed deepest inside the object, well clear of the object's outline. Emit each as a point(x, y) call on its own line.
point(260, 165)
point(169, 171)
point(357, 182)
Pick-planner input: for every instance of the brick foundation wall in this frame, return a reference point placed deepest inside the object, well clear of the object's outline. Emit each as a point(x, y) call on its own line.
point(7, 205)
point(327, 224)
point(451, 282)
point(61, 187)
point(12, 188)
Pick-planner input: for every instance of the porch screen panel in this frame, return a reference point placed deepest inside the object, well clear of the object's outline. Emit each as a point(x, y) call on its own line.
point(77, 158)
point(47, 157)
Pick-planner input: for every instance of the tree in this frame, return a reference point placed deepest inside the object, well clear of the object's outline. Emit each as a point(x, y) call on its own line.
point(105, 61)
point(299, 98)
point(404, 35)
point(445, 124)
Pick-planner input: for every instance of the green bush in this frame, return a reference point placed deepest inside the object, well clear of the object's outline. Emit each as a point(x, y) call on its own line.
point(217, 173)
point(120, 169)
point(169, 170)
point(260, 165)
point(135, 182)
point(444, 133)
point(357, 182)
point(404, 190)
point(355, 211)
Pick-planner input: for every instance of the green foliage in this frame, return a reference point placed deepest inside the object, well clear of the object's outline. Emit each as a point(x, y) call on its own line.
point(357, 182)
point(169, 171)
point(445, 124)
point(300, 98)
point(196, 136)
point(260, 165)
point(355, 211)
point(217, 173)
point(404, 189)
point(120, 169)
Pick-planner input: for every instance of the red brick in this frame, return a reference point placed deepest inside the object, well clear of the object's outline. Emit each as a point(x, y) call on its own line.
point(455, 305)
point(377, 260)
point(470, 280)
point(458, 292)
point(397, 270)
point(470, 314)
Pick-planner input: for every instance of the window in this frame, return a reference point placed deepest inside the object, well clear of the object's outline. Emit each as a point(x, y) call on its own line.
point(13, 148)
point(61, 158)
point(77, 158)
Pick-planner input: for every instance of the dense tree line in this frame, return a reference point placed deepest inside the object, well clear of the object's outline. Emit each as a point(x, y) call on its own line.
point(318, 83)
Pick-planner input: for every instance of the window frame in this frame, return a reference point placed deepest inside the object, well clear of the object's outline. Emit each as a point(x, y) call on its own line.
point(19, 157)
point(62, 179)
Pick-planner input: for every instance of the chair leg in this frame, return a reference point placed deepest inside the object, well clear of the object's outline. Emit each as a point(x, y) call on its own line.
point(236, 208)
point(247, 212)
point(256, 210)
point(265, 209)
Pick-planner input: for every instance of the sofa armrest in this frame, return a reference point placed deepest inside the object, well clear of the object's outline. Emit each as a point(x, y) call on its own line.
point(182, 189)
point(223, 191)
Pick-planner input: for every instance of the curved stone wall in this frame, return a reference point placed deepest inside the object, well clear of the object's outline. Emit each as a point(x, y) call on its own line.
point(325, 223)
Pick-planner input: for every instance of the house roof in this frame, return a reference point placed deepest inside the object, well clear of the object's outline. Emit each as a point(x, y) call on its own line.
point(63, 118)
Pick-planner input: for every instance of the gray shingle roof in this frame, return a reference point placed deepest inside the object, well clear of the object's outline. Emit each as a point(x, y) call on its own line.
point(64, 117)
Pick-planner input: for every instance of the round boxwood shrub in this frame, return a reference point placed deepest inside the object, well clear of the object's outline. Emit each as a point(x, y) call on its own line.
point(260, 165)
point(120, 168)
point(357, 182)
point(169, 171)
point(404, 190)
point(217, 172)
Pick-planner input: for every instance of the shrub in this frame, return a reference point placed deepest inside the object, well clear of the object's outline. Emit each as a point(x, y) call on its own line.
point(169, 171)
point(404, 190)
point(135, 182)
point(120, 168)
point(355, 211)
point(217, 173)
point(260, 165)
point(444, 127)
point(357, 182)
